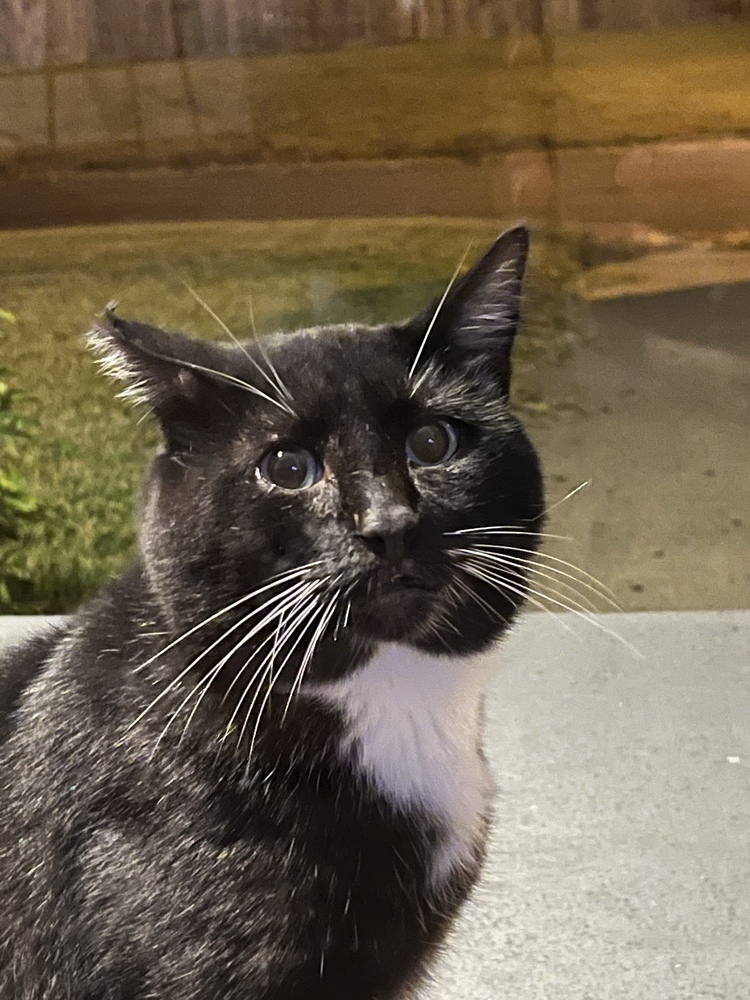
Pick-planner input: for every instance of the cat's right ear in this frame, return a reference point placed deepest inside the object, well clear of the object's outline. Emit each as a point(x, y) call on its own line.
point(176, 377)
point(479, 314)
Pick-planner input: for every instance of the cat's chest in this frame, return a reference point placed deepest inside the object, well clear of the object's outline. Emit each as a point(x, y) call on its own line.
point(413, 729)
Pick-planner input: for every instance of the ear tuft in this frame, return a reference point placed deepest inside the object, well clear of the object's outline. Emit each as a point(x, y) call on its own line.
point(179, 379)
point(118, 359)
point(155, 365)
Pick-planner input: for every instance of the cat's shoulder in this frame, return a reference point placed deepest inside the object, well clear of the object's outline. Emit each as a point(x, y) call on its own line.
point(20, 665)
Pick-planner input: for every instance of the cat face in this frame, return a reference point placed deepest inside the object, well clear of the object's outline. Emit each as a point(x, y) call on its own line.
point(326, 486)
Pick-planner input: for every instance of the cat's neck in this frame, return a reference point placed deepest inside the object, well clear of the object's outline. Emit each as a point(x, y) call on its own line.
point(413, 730)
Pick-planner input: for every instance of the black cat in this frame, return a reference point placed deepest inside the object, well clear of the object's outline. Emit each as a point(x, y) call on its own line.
point(251, 767)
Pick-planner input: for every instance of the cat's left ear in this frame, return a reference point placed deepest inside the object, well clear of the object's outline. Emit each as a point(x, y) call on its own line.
point(481, 312)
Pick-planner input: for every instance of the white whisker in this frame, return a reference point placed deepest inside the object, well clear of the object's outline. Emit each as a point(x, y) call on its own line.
point(274, 582)
point(344, 610)
point(289, 607)
point(301, 610)
point(504, 529)
point(435, 315)
point(309, 652)
point(237, 342)
point(503, 586)
point(191, 665)
point(509, 555)
point(516, 565)
point(581, 486)
point(312, 607)
point(473, 595)
point(291, 598)
point(282, 387)
point(577, 610)
point(233, 380)
point(604, 589)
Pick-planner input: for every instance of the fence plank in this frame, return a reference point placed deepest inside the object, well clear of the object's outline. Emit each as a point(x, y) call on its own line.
point(220, 28)
point(70, 32)
point(136, 31)
point(223, 99)
point(34, 33)
point(7, 35)
point(23, 32)
point(561, 15)
point(618, 15)
point(511, 17)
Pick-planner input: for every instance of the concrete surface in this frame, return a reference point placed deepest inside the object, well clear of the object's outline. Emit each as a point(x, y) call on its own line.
point(15, 628)
point(619, 859)
point(619, 862)
point(695, 266)
point(660, 394)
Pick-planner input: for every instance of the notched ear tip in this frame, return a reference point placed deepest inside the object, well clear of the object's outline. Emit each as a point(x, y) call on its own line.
point(114, 323)
point(111, 332)
point(116, 356)
point(123, 330)
point(147, 360)
point(105, 335)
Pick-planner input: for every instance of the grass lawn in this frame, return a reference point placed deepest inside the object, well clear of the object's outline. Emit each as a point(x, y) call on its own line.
point(89, 451)
point(461, 97)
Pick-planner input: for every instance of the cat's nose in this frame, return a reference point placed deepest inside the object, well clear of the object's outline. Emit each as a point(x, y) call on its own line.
point(385, 530)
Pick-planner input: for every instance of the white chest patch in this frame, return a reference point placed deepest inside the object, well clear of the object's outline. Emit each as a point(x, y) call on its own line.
point(414, 726)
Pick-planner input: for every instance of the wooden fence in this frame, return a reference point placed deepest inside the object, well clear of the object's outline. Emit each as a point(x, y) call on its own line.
point(37, 33)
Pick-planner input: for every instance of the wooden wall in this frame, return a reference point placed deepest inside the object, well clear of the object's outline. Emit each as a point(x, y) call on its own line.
point(36, 33)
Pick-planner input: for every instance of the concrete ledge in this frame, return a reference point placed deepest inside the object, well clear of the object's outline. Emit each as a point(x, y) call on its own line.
point(618, 863)
point(678, 187)
point(15, 628)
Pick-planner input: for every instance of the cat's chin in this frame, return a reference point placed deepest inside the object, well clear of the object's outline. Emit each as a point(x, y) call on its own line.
point(398, 614)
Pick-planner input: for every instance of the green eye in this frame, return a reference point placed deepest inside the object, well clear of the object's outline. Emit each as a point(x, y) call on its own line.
point(291, 468)
point(432, 444)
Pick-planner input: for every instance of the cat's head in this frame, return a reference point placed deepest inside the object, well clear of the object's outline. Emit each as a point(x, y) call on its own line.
point(363, 484)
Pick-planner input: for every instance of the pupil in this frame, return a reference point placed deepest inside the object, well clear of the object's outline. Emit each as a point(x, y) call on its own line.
point(430, 443)
point(288, 469)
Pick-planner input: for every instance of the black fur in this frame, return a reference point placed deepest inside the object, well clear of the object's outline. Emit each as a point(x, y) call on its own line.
point(244, 855)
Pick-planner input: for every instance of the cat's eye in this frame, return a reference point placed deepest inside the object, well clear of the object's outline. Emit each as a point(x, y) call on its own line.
point(432, 443)
point(291, 468)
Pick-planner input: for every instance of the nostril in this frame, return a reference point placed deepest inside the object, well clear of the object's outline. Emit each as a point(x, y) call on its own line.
point(375, 544)
point(411, 536)
point(391, 548)
point(387, 531)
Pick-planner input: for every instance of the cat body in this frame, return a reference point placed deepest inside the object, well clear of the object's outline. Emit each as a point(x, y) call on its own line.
point(252, 766)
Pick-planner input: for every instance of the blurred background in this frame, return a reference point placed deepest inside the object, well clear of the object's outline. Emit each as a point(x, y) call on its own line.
point(297, 161)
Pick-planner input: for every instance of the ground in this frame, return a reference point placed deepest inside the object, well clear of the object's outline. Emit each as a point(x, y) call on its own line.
point(660, 387)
